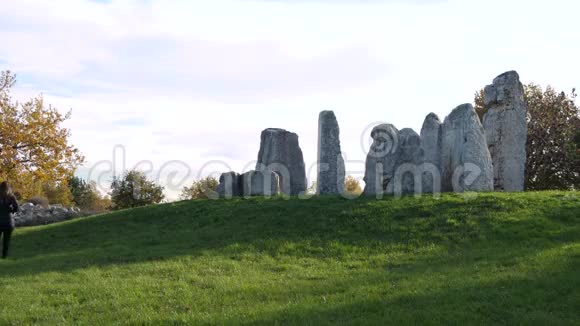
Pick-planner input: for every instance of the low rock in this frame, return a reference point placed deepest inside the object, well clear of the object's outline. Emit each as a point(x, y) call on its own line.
point(259, 183)
point(229, 185)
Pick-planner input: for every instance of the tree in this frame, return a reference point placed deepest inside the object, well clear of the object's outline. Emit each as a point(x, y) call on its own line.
point(552, 148)
point(34, 147)
point(133, 189)
point(352, 186)
point(80, 190)
point(552, 152)
point(87, 197)
point(200, 189)
point(58, 193)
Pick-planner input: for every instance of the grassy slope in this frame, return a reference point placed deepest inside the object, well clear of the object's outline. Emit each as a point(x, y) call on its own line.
point(496, 259)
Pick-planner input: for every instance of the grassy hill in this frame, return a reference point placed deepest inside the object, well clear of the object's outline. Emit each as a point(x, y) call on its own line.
point(494, 259)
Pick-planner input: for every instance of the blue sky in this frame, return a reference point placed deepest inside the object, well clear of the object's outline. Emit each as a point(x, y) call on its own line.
point(197, 81)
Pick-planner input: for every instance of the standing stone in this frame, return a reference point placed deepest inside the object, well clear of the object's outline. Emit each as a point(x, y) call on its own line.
point(381, 160)
point(331, 170)
point(229, 185)
point(465, 160)
point(259, 183)
point(408, 162)
point(280, 153)
point(431, 147)
point(506, 130)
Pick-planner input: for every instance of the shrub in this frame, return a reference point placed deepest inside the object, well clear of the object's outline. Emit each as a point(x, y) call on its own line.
point(38, 200)
point(87, 197)
point(200, 189)
point(58, 193)
point(133, 189)
point(352, 186)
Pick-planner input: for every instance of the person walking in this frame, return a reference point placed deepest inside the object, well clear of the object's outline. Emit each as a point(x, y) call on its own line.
point(8, 206)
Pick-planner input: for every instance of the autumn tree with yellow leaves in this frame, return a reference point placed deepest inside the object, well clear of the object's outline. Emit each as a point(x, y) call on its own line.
point(35, 153)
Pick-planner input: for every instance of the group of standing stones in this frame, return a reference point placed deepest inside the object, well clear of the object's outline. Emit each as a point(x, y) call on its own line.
point(280, 169)
point(459, 154)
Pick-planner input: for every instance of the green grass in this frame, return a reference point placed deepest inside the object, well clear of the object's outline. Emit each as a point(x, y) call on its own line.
point(496, 259)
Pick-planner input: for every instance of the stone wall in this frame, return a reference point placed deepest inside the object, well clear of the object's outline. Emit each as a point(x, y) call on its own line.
point(30, 214)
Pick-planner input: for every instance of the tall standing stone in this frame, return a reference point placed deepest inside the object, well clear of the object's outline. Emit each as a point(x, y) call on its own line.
point(407, 165)
point(431, 146)
point(393, 162)
point(506, 130)
point(465, 160)
point(280, 153)
point(381, 160)
point(331, 170)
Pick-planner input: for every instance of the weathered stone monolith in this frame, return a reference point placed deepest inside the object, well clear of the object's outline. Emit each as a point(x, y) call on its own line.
point(407, 173)
point(381, 160)
point(431, 147)
point(465, 160)
point(280, 153)
point(229, 185)
point(506, 130)
point(331, 171)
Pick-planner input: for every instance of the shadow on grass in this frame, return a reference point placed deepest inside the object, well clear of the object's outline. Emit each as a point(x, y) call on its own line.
point(266, 226)
point(534, 301)
point(453, 294)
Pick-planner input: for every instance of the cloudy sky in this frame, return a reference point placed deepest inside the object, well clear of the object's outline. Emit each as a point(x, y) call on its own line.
point(179, 84)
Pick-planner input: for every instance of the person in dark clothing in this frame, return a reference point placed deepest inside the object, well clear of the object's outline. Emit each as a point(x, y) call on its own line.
point(8, 206)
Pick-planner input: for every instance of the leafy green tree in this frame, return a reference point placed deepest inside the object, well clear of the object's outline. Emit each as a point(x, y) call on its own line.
point(80, 189)
point(133, 189)
point(87, 197)
point(553, 145)
point(200, 189)
point(552, 152)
